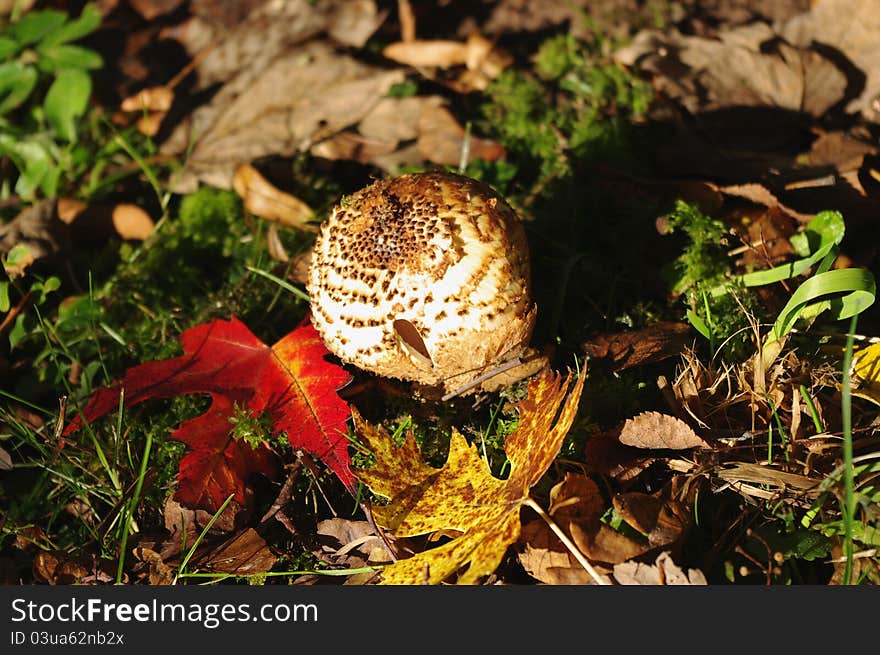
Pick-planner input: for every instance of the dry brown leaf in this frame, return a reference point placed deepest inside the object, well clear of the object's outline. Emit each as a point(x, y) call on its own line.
point(664, 571)
point(5, 460)
point(69, 208)
point(604, 454)
point(347, 145)
point(352, 544)
point(853, 28)
point(274, 246)
point(236, 41)
point(766, 237)
point(652, 344)
point(839, 149)
point(354, 21)
point(545, 558)
point(151, 9)
point(396, 119)
point(760, 194)
point(655, 430)
point(245, 553)
point(60, 568)
point(126, 220)
point(463, 495)
point(441, 139)
point(131, 222)
point(157, 571)
point(576, 504)
point(658, 516)
point(34, 227)
point(747, 66)
point(263, 199)
point(437, 53)
point(304, 96)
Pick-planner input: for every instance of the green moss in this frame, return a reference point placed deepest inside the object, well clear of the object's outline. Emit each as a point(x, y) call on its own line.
point(210, 217)
point(576, 107)
point(700, 271)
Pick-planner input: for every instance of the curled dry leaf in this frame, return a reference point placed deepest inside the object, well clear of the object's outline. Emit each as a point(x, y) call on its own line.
point(438, 53)
point(664, 571)
point(656, 430)
point(483, 62)
point(154, 98)
point(463, 495)
point(352, 544)
point(263, 199)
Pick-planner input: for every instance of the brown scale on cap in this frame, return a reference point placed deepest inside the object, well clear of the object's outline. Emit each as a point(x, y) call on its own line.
point(424, 277)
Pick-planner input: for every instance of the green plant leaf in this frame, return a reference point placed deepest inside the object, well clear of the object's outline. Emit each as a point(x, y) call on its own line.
point(68, 56)
point(821, 235)
point(4, 296)
point(16, 256)
point(67, 100)
point(88, 22)
point(33, 161)
point(16, 83)
point(18, 332)
point(698, 324)
point(845, 293)
point(37, 24)
point(8, 47)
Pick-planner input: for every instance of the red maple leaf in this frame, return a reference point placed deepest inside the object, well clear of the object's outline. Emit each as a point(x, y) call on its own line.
point(290, 382)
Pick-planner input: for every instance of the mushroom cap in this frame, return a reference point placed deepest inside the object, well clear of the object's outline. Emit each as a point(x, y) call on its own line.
point(424, 277)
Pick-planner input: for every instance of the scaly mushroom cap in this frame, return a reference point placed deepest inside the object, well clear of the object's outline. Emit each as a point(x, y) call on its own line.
point(424, 277)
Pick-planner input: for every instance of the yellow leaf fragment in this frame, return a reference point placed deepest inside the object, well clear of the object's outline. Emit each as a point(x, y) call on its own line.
point(866, 371)
point(463, 495)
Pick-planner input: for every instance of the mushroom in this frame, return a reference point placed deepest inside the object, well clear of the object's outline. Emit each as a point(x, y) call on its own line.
point(424, 277)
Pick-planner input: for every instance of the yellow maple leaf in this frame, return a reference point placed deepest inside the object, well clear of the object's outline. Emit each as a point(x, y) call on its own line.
point(463, 495)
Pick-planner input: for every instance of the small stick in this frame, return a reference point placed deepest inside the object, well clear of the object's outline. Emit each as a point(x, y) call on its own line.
point(10, 316)
point(504, 366)
point(574, 550)
point(285, 493)
point(407, 21)
point(369, 514)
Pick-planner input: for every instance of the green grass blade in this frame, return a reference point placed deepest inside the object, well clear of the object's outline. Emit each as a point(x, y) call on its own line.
point(284, 284)
point(192, 550)
point(849, 501)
